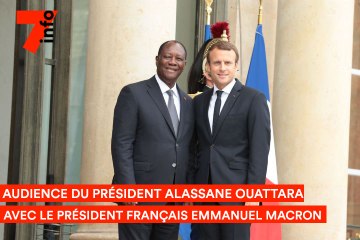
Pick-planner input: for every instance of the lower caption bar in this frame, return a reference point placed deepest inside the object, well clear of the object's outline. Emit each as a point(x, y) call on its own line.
point(163, 214)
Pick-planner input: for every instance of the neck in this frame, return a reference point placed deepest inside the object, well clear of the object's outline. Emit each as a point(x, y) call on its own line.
point(220, 87)
point(209, 83)
point(170, 84)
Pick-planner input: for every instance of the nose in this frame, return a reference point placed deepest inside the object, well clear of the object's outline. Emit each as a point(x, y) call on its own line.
point(222, 66)
point(172, 61)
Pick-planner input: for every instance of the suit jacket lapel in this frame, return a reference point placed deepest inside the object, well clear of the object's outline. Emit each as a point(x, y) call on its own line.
point(156, 95)
point(234, 94)
point(183, 110)
point(207, 99)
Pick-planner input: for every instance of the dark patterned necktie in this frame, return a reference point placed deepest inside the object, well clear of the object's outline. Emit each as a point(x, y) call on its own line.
point(217, 109)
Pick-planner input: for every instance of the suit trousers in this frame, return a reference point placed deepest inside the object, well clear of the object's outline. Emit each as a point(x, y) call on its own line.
point(149, 231)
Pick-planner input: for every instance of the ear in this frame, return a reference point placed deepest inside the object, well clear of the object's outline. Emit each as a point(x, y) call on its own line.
point(156, 60)
point(207, 67)
point(207, 75)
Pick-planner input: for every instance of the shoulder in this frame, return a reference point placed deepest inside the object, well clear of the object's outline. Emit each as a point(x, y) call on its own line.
point(131, 92)
point(137, 87)
point(256, 100)
point(200, 99)
point(247, 92)
point(140, 84)
point(253, 93)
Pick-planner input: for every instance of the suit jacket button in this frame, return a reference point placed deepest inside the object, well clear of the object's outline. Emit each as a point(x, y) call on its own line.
point(173, 165)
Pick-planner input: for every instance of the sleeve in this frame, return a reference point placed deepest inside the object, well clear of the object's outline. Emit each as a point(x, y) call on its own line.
point(259, 139)
point(123, 137)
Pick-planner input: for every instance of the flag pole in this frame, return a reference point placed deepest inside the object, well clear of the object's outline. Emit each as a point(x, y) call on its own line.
point(260, 13)
point(207, 33)
point(208, 11)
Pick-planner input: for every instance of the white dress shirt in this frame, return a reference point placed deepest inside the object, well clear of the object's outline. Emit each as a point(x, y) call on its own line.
point(226, 91)
point(164, 88)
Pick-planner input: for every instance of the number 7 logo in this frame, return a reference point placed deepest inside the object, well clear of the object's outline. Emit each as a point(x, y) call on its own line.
point(42, 20)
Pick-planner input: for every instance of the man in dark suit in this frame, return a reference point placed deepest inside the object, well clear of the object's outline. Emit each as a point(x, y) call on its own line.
point(153, 127)
point(232, 126)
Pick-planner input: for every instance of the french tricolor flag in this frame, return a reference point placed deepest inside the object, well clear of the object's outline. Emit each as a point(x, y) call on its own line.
point(258, 78)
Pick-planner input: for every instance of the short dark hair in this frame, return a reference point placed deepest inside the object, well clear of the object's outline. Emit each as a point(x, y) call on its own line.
point(171, 41)
point(222, 45)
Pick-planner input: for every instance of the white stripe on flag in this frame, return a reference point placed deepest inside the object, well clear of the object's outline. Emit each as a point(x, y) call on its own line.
point(271, 173)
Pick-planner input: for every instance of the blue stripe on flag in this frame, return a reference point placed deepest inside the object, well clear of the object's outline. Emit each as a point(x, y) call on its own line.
point(257, 76)
point(184, 231)
point(207, 34)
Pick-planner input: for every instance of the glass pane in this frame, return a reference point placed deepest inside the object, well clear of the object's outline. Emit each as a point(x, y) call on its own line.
point(356, 44)
point(45, 123)
point(79, 35)
point(354, 150)
point(45, 115)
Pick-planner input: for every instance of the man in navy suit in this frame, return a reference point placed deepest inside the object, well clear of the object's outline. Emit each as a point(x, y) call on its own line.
point(232, 126)
point(152, 130)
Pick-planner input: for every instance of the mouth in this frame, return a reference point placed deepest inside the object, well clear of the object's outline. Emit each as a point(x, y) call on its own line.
point(222, 75)
point(172, 70)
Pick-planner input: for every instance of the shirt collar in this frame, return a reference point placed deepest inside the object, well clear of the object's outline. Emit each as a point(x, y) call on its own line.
point(226, 89)
point(164, 88)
